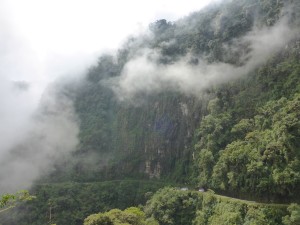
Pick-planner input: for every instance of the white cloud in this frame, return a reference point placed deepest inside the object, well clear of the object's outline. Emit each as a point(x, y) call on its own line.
point(143, 75)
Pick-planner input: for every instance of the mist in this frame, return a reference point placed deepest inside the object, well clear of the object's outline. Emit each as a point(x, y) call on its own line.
point(144, 75)
point(51, 134)
point(39, 125)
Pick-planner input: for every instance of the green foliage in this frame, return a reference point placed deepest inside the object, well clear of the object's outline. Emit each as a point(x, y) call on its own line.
point(248, 144)
point(70, 203)
point(266, 160)
point(255, 216)
point(130, 216)
point(172, 206)
point(294, 215)
point(9, 201)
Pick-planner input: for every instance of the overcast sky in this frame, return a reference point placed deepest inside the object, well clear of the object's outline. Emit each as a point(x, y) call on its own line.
point(67, 27)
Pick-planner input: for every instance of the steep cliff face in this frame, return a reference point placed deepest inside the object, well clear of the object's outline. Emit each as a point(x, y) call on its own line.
point(143, 110)
point(149, 139)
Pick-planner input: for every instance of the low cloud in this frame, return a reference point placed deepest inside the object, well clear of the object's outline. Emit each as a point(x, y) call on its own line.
point(143, 75)
point(38, 123)
point(51, 135)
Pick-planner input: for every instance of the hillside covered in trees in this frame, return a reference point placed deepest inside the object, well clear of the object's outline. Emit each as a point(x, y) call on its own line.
point(211, 100)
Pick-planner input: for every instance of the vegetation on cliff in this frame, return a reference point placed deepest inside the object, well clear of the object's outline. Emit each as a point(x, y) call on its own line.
point(211, 101)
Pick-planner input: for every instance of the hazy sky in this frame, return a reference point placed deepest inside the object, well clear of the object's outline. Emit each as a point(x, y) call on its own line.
point(43, 39)
point(85, 26)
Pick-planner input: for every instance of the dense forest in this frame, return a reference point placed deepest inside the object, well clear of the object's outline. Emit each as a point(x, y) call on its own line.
point(209, 101)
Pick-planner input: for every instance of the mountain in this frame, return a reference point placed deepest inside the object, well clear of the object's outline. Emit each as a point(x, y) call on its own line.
point(211, 100)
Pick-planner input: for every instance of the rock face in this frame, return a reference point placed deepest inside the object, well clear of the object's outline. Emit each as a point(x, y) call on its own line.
point(147, 140)
point(153, 170)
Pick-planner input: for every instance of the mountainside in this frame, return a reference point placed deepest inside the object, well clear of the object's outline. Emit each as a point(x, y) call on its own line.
point(161, 127)
point(211, 100)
